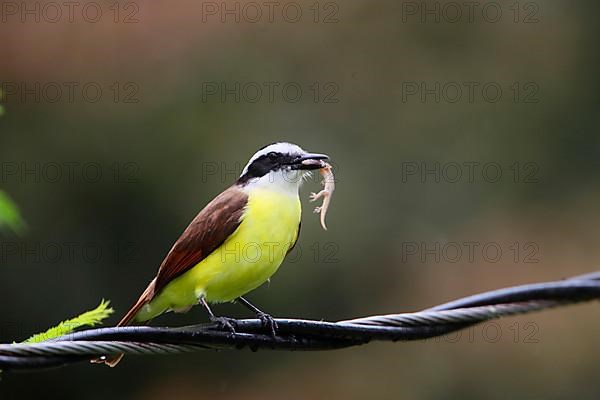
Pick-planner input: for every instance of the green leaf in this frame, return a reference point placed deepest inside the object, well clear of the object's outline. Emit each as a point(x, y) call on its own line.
point(10, 217)
point(88, 318)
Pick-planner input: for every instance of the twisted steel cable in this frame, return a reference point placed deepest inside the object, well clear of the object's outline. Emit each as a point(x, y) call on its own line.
point(298, 334)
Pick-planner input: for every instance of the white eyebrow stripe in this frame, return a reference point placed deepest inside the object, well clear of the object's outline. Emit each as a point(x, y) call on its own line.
point(281, 147)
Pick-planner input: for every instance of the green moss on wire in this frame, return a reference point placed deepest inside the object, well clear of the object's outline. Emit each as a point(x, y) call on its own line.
point(89, 318)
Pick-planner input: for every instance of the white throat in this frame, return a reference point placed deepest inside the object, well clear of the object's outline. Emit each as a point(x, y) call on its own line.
point(281, 181)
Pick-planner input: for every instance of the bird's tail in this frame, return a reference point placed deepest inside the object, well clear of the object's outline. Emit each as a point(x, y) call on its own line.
point(144, 299)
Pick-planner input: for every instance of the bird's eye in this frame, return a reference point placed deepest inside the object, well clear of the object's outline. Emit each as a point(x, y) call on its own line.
point(272, 155)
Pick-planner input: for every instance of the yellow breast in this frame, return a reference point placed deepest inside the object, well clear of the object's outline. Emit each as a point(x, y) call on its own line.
point(255, 250)
point(246, 260)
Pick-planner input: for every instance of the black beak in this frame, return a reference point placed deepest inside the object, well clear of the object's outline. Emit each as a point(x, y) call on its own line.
point(310, 161)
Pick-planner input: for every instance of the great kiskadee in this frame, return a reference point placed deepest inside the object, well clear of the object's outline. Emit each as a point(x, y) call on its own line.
point(236, 243)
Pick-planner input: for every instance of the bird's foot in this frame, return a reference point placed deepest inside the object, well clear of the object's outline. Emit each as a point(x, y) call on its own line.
point(268, 323)
point(224, 323)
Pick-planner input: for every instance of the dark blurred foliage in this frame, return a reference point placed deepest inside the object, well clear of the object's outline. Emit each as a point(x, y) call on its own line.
point(133, 174)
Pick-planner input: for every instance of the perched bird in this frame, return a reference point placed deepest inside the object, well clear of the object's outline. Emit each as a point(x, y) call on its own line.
point(235, 244)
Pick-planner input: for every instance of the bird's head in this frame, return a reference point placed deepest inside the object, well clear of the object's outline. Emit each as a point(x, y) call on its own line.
point(280, 166)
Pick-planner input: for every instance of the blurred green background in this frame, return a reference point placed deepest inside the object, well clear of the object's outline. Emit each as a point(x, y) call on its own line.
point(107, 175)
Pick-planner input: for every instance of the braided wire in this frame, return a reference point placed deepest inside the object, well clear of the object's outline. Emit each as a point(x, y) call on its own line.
point(474, 314)
point(297, 334)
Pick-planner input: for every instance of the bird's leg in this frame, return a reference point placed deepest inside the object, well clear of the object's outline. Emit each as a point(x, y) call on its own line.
point(223, 322)
point(267, 321)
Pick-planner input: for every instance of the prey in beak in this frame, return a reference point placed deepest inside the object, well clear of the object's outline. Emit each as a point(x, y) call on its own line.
point(310, 161)
point(315, 161)
point(326, 193)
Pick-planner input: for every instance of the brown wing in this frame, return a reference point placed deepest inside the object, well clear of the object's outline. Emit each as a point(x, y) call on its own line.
point(219, 219)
